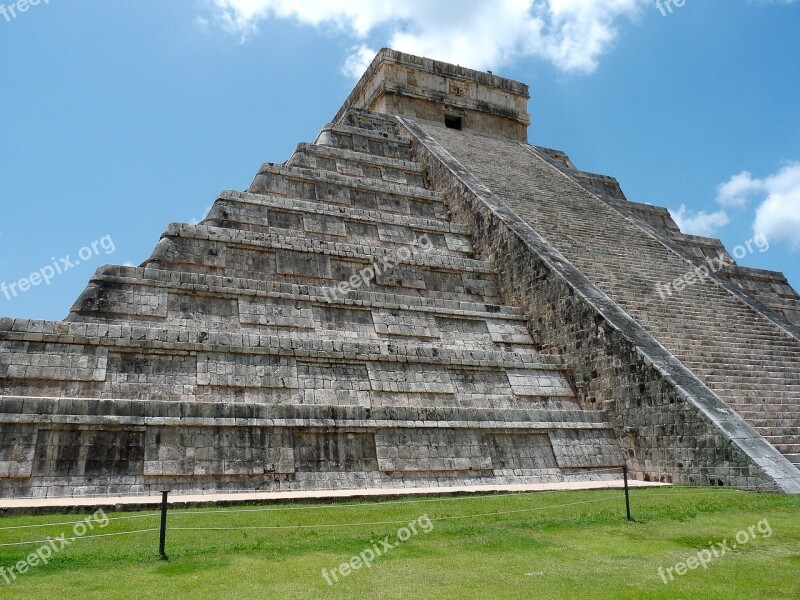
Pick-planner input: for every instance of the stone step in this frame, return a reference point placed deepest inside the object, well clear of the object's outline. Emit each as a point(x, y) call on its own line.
point(358, 164)
point(725, 337)
point(375, 143)
point(392, 241)
point(325, 323)
point(651, 304)
point(301, 383)
point(748, 357)
point(216, 251)
point(768, 422)
point(781, 440)
point(716, 365)
point(726, 342)
point(793, 433)
point(417, 254)
point(740, 398)
point(773, 412)
point(282, 216)
point(371, 121)
point(96, 360)
point(720, 368)
point(339, 190)
point(138, 280)
point(334, 180)
point(733, 397)
point(768, 413)
point(768, 425)
point(693, 316)
point(756, 369)
point(100, 335)
point(789, 448)
point(754, 381)
point(224, 413)
point(761, 350)
point(734, 393)
point(372, 217)
point(766, 347)
point(727, 345)
point(115, 299)
point(757, 407)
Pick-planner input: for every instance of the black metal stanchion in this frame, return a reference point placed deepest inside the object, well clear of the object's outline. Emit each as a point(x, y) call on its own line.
point(162, 542)
point(627, 494)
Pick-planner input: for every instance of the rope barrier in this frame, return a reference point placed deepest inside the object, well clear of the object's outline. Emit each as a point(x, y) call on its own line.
point(364, 504)
point(194, 513)
point(86, 537)
point(42, 525)
point(375, 523)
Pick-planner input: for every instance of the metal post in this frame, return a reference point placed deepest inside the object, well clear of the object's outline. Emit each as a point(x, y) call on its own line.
point(627, 495)
point(163, 539)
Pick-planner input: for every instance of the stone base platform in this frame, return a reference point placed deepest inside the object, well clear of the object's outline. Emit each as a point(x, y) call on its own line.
point(131, 503)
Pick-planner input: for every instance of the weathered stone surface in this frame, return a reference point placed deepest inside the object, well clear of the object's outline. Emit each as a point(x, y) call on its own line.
point(335, 327)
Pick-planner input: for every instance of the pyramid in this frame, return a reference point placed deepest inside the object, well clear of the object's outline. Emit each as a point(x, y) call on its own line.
point(419, 298)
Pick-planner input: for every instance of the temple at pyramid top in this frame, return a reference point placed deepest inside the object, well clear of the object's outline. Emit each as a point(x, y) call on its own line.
point(443, 94)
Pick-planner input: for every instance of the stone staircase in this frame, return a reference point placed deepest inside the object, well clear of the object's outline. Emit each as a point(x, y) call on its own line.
point(330, 327)
point(750, 361)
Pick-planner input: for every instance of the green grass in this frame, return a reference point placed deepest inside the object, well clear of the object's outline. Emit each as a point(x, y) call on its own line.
point(557, 545)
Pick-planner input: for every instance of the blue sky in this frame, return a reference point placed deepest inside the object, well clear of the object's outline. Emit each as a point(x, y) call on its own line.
point(120, 117)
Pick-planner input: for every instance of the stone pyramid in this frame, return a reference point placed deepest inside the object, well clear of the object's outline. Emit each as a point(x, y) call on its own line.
point(418, 298)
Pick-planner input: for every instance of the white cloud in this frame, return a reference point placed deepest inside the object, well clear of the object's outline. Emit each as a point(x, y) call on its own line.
point(739, 189)
point(699, 223)
point(357, 61)
point(778, 216)
point(482, 34)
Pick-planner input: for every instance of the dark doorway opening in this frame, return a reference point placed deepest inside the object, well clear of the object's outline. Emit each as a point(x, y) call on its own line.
point(453, 122)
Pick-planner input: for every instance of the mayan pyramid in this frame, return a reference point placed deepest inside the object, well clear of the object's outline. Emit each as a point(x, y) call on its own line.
point(418, 298)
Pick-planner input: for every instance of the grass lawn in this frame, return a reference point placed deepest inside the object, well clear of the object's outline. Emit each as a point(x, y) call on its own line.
point(550, 545)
